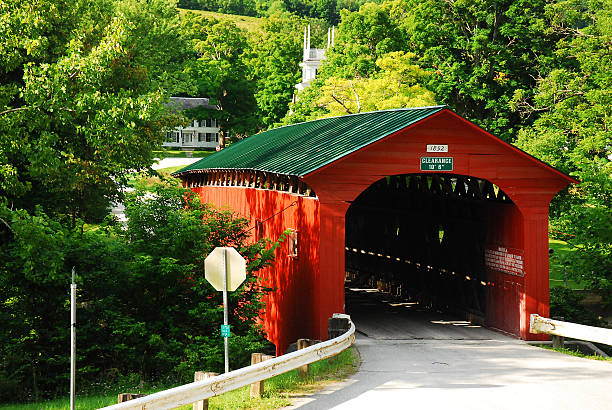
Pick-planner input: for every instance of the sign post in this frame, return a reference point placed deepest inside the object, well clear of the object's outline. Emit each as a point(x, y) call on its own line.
point(225, 318)
point(72, 340)
point(225, 270)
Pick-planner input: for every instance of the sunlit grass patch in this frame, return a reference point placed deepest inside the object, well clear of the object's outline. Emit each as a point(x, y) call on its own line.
point(557, 270)
point(571, 352)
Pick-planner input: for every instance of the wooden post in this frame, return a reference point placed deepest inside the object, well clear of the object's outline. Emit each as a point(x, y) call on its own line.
point(558, 342)
point(197, 376)
point(123, 397)
point(335, 327)
point(257, 388)
point(304, 371)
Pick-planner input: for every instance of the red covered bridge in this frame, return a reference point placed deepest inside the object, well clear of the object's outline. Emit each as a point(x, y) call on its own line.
point(419, 200)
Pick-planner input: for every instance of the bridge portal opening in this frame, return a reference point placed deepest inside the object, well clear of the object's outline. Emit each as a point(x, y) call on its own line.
point(434, 239)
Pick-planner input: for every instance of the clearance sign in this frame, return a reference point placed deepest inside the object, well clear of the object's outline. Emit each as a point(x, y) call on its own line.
point(436, 163)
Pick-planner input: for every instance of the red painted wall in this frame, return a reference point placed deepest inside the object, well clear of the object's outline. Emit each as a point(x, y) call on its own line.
point(290, 307)
point(505, 227)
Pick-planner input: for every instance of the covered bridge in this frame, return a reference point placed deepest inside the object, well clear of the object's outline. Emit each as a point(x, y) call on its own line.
point(419, 199)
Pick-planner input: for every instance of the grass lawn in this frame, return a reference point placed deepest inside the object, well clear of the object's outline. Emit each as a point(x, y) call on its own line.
point(250, 24)
point(174, 153)
point(556, 269)
point(145, 181)
point(575, 353)
point(278, 390)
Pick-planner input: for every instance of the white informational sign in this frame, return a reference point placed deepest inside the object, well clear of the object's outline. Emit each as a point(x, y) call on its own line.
point(214, 268)
point(437, 148)
point(504, 259)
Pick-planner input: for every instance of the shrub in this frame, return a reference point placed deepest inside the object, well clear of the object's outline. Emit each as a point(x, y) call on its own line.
point(144, 306)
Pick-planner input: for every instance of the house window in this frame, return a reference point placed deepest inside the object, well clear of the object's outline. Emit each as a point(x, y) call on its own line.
point(195, 123)
point(209, 137)
point(172, 136)
point(187, 136)
point(213, 122)
point(201, 136)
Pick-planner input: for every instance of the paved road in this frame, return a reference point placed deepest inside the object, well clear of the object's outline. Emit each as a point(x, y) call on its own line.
point(173, 162)
point(118, 209)
point(414, 359)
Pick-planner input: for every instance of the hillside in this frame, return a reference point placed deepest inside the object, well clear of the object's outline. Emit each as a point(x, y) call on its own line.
point(251, 24)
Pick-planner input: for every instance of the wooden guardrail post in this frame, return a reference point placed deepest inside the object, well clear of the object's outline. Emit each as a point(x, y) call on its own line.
point(122, 397)
point(335, 327)
point(257, 388)
point(558, 342)
point(197, 376)
point(304, 371)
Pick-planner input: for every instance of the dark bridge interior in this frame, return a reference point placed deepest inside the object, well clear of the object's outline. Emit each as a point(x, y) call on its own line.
point(423, 237)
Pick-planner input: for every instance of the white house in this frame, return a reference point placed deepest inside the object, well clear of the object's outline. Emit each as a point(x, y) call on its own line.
point(202, 133)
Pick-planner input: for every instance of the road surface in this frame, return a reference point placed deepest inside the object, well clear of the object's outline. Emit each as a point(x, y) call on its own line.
point(415, 359)
point(118, 209)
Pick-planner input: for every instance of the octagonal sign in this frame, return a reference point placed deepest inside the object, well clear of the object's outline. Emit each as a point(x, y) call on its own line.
point(214, 268)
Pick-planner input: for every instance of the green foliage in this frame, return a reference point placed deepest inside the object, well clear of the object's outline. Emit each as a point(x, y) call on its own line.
point(144, 306)
point(323, 10)
point(396, 82)
point(362, 38)
point(395, 85)
point(218, 70)
point(566, 303)
point(240, 7)
point(478, 53)
point(276, 53)
point(80, 101)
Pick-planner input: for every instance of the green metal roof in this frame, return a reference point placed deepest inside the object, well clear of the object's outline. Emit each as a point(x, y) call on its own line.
point(302, 148)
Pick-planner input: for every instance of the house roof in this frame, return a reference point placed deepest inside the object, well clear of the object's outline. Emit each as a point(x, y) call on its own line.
point(185, 103)
point(303, 148)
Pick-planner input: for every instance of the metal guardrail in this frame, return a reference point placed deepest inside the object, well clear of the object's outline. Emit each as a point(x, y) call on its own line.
point(214, 386)
point(539, 324)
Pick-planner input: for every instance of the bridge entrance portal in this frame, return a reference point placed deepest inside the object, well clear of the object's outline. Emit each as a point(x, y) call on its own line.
point(433, 239)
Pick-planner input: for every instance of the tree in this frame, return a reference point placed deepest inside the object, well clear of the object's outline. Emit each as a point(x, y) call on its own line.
point(80, 102)
point(396, 85)
point(480, 52)
point(274, 62)
point(572, 133)
point(362, 38)
point(219, 71)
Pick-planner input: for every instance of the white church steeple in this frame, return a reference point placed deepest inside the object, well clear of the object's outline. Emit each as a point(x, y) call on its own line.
point(312, 57)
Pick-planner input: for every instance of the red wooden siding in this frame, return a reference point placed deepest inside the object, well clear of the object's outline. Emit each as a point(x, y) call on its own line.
point(294, 278)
